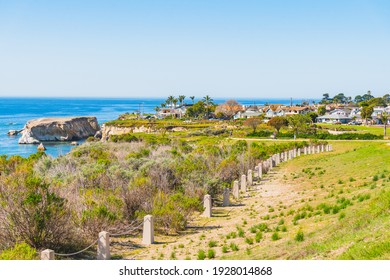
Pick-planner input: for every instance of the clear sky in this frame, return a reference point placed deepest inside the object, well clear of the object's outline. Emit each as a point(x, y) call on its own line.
point(144, 48)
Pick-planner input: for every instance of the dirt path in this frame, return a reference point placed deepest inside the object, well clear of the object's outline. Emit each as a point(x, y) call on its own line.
point(270, 193)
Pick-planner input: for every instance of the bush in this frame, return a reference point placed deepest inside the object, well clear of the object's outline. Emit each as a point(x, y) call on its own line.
point(299, 236)
point(233, 246)
point(211, 254)
point(201, 255)
point(275, 236)
point(32, 210)
point(21, 251)
point(259, 236)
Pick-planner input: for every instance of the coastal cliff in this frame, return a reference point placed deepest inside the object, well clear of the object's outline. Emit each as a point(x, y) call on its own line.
point(58, 129)
point(108, 130)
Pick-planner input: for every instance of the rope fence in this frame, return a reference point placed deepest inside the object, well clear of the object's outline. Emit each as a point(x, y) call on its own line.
point(246, 180)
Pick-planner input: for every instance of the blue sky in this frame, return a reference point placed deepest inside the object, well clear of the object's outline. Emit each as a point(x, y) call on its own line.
point(255, 49)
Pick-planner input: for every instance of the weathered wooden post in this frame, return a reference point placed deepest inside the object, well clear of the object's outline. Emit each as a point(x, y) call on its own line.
point(327, 148)
point(305, 150)
point(103, 249)
point(318, 149)
point(250, 178)
point(207, 205)
point(148, 230)
point(243, 183)
point(236, 190)
point(47, 255)
point(330, 147)
point(226, 197)
point(313, 149)
point(299, 152)
point(295, 152)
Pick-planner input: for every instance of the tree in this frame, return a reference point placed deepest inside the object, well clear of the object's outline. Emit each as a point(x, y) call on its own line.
point(208, 101)
point(340, 98)
point(157, 109)
point(384, 118)
point(325, 99)
point(181, 99)
point(278, 122)
point(253, 123)
point(298, 123)
point(313, 116)
point(198, 110)
point(386, 98)
point(228, 109)
point(192, 98)
point(366, 112)
point(367, 96)
point(321, 110)
point(358, 99)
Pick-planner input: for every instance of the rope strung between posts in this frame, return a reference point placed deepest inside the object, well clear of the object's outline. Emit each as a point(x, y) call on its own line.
point(78, 252)
point(128, 231)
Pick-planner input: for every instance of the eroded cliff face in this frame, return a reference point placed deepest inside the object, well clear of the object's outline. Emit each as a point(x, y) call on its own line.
point(108, 130)
point(58, 129)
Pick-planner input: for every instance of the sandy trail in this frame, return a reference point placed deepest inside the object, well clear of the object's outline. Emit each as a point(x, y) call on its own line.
point(270, 193)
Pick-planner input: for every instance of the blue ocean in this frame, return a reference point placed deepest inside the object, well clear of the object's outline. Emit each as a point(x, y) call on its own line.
point(15, 112)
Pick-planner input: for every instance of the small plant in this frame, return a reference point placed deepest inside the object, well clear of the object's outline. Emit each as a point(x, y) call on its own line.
point(259, 236)
point(211, 254)
point(249, 240)
point(213, 243)
point(375, 178)
point(284, 229)
point(202, 237)
point(275, 236)
point(299, 236)
point(248, 251)
point(225, 249)
point(233, 246)
point(241, 232)
point(173, 255)
point(341, 216)
point(181, 246)
point(201, 255)
point(281, 222)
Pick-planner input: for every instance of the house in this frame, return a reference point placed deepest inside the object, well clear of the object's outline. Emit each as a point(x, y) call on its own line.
point(274, 110)
point(336, 116)
point(296, 110)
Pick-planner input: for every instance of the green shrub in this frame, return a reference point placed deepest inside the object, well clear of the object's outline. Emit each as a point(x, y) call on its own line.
point(299, 236)
point(201, 255)
point(233, 246)
point(275, 236)
point(21, 251)
point(249, 240)
point(259, 236)
point(213, 243)
point(225, 249)
point(211, 254)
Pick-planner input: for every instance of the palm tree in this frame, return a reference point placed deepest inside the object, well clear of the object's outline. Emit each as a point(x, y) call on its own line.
point(208, 100)
point(192, 98)
point(163, 105)
point(384, 119)
point(174, 101)
point(169, 100)
point(157, 109)
point(181, 99)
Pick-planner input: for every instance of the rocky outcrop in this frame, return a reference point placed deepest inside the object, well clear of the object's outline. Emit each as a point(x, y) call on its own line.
point(58, 129)
point(108, 130)
point(13, 132)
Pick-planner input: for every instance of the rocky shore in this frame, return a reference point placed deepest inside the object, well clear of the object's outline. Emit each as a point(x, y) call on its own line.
point(58, 129)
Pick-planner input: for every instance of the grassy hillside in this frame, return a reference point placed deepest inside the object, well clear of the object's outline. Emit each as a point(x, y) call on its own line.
point(325, 206)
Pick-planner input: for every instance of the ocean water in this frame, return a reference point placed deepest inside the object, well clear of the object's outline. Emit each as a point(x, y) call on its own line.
point(15, 112)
